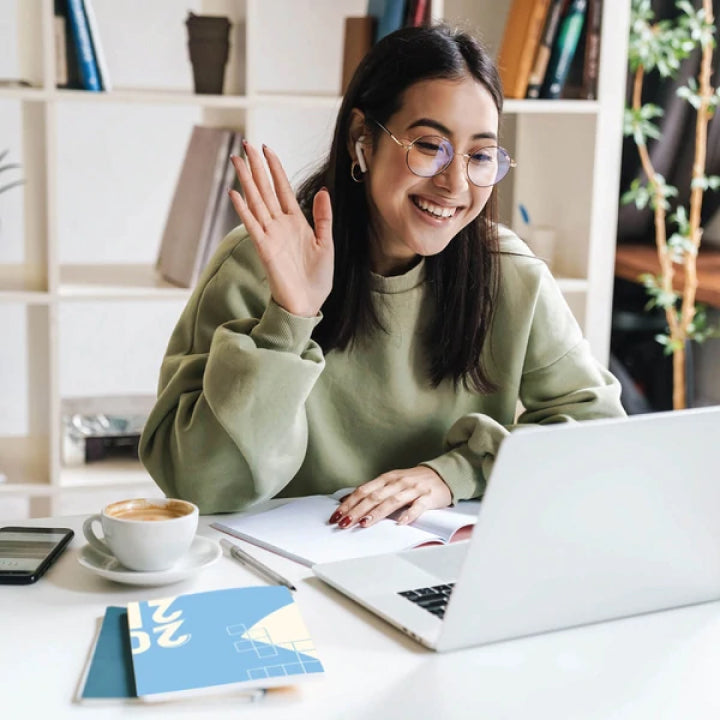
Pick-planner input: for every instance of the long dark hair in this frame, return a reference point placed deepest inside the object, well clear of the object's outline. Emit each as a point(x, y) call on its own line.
point(464, 277)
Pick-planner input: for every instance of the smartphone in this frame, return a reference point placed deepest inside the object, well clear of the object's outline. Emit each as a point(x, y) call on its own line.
point(27, 552)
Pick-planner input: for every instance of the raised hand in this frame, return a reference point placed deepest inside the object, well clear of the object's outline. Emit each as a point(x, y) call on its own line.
point(298, 260)
point(415, 489)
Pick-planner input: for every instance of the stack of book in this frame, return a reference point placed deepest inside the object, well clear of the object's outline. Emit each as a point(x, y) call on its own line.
point(382, 18)
point(201, 213)
point(551, 48)
point(246, 640)
point(79, 57)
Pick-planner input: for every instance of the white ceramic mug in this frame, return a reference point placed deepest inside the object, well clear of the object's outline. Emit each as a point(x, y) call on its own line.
point(144, 534)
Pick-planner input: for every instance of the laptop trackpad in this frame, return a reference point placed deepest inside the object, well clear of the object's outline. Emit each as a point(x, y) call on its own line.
point(443, 561)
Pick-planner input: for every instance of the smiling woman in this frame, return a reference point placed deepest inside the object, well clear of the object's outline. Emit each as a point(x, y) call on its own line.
point(377, 329)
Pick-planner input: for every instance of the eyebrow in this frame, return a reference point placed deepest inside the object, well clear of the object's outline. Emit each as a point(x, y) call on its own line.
point(428, 122)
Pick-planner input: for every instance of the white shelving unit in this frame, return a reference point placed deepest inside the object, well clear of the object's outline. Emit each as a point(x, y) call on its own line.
point(81, 308)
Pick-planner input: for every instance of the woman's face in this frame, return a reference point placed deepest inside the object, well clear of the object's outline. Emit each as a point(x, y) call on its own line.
point(411, 215)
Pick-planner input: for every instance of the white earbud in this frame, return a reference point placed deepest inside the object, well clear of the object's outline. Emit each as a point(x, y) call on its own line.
point(360, 154)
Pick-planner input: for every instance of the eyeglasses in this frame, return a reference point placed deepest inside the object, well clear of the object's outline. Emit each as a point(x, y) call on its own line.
point(430, 155)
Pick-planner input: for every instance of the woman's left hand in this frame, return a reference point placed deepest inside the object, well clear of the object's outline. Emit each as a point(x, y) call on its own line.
point(415, 489)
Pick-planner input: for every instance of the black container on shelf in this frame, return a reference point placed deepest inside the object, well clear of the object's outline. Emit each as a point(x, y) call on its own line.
point(209, 48)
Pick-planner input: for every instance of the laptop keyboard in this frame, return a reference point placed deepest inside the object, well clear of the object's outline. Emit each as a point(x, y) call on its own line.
point(433, 599)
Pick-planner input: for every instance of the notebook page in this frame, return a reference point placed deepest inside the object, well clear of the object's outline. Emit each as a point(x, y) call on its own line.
point(300, 531)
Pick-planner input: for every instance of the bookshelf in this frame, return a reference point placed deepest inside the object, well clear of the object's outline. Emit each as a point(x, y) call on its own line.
point(81, 309)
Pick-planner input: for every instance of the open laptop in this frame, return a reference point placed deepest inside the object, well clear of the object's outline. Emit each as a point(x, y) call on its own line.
point(580, 523)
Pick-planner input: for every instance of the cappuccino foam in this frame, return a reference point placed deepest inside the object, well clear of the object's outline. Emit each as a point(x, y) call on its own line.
point(138, 510)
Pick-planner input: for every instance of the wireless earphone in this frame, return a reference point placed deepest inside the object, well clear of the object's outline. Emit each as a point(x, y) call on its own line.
point(360, 154)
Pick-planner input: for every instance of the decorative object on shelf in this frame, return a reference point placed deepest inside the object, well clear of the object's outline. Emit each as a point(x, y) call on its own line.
point(660, 46)
point(102, 428)
point(209, 48)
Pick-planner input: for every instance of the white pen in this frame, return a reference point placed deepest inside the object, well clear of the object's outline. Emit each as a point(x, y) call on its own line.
point(249, 561)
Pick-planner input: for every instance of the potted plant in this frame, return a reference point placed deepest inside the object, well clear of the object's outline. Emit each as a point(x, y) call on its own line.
point(660, 47)
point(4, 168)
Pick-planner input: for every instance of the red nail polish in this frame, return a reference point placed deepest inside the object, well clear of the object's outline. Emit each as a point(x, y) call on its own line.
point(345, 522)
point(335, 516)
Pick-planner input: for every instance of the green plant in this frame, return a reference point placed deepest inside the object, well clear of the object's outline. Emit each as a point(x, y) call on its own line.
point(5, 168)
point(661, 46)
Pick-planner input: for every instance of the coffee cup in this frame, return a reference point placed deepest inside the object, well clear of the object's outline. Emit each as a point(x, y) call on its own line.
point(144, 534)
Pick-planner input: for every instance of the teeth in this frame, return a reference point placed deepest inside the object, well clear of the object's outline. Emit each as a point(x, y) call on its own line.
point(435, 210)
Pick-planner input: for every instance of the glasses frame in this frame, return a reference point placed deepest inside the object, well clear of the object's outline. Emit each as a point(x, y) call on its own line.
point(408, 146)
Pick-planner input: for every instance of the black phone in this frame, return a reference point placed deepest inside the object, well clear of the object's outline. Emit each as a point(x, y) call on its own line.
point(27, 552)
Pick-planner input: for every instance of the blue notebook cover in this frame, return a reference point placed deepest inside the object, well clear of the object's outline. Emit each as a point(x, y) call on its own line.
point(249, 636)
point(110, 672)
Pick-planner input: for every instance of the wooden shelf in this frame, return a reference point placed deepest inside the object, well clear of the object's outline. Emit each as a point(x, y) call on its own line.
point(116, 281)
point(631, 261)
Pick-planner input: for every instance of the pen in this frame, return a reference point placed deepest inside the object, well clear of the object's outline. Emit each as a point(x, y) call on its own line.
point(249, 561)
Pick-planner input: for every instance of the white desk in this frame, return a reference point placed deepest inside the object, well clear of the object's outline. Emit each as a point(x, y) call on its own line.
point(663, 666)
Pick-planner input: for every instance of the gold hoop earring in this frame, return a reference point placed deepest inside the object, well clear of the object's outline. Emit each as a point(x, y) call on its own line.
point(354, 170)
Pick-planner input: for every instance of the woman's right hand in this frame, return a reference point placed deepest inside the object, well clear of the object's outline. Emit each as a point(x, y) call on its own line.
point(298, 260)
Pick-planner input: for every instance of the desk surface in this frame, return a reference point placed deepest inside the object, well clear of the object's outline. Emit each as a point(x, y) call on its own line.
point(657, 666)
point(631, 261)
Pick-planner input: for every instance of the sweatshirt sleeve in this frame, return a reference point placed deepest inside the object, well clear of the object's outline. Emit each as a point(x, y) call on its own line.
point(229, 425)
point(547, 367)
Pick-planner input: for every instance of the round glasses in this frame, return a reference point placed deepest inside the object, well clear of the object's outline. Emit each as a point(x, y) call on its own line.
point(430, 155)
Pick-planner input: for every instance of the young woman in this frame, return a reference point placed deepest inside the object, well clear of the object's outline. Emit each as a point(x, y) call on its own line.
point(377, 330)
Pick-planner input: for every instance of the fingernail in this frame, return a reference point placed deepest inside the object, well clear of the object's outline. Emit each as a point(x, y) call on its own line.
point(345, 521)
point(365, 520)
point(335, 516)
point(326, 190)
point(244, 142)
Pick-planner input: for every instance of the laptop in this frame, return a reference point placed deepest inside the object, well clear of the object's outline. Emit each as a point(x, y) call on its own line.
point(580, 523)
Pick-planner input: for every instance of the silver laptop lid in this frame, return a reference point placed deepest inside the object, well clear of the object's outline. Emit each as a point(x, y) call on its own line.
point(592, 521)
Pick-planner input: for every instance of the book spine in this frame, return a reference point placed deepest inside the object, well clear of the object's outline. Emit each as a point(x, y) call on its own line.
point(61, 65)
point(83, 43)
point(358, 41)
point(592, 50)
point(420, 16)
point(542, 58)
point(564, 50)
point(98, 50)
point(391, 18)
point(521, 39)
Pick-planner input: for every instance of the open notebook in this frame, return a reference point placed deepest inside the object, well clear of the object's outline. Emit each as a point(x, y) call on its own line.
point(300, 530)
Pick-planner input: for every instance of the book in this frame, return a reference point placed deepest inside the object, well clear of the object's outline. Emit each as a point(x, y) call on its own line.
point(389, 16)
point(417, 13)
point(98, 49)
point(232, 639)
point(89, 74)
point(108, 675)
point(564, 49)
point(194, 204)
point(67, 69)
point(358, 39)
point(520, 41)
point(591, 62)
point(61, 68)
point(224, 217)
point(542, 56)
point(300, 531)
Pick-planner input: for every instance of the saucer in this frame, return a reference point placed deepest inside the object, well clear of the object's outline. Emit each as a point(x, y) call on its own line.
point(202, 553)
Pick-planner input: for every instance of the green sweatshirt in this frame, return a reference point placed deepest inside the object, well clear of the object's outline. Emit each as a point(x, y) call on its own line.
point(249, 407)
